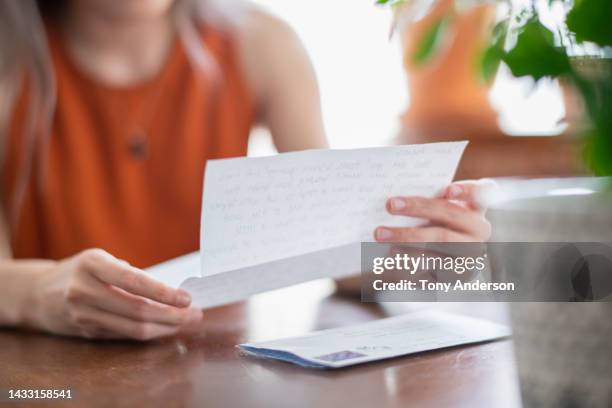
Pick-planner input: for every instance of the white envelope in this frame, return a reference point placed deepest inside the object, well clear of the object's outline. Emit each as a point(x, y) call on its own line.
point(380, 339)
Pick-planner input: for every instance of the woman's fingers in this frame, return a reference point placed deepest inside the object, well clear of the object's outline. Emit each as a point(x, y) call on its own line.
point(120, 302)
point(110, 270)
point(420, 234)
point(94, 322)
point(455, 215)
point(472, 192)
point(441, 212)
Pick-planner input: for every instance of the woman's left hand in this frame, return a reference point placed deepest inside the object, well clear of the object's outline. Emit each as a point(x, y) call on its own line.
point(455, 215)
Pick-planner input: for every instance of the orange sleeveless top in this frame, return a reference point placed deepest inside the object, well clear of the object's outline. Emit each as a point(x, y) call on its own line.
point(123, 169)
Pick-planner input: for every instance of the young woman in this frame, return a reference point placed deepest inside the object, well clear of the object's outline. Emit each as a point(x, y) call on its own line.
point(109, 111)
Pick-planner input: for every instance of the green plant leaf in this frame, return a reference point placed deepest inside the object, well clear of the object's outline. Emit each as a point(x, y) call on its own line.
point(598, 151)
point(591, 20)
point(597, 97)
point(601, 141)
point(431, 40)
point(489, 63)
point(493, 54)
point(535, 54)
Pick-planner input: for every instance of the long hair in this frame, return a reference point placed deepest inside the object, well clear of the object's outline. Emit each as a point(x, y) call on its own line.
point(24, 54)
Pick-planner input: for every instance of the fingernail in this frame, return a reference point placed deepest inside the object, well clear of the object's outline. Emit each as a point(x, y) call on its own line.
point(384, 234)
point(454, 191)
point(184, 298)
point(397, 204)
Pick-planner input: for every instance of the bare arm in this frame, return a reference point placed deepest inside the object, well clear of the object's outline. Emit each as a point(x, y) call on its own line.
point(16, 288)
point(283, 81)
point(16, 278)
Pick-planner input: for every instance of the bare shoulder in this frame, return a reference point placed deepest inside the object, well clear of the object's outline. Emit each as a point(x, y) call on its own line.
point(259, 24)
point(268, 48)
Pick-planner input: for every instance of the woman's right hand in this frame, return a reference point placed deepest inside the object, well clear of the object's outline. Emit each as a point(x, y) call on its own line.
point(96, 295)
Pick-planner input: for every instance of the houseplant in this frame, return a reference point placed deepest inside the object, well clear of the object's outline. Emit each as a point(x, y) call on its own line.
point(576, 51)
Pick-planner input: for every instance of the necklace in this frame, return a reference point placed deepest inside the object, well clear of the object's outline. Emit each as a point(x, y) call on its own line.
point(137, 121)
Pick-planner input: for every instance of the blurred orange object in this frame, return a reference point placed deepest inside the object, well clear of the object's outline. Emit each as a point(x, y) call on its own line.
point(448, 101)
point(446, 97)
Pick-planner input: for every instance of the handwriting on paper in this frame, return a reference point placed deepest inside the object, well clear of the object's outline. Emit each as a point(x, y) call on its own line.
point(257, 210)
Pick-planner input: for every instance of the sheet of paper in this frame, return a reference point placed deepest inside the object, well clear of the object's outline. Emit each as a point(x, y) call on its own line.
point(272, 222)
point(176, 271)
point(232, 286)
point(239, 284)
point(258, 210)
point(379, 339)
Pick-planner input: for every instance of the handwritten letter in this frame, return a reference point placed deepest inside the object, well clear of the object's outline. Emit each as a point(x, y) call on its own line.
point(258, 210)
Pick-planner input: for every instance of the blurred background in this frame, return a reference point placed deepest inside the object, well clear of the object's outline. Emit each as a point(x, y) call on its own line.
point(363, 83)
point(373, 95)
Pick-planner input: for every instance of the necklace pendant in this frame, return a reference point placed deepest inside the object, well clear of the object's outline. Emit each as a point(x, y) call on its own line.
point(137, 146)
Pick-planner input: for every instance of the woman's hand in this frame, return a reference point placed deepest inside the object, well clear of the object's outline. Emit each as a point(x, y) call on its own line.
point(455, 215)
point(95, 295)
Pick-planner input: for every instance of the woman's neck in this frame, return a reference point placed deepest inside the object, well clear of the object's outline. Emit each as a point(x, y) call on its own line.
point(115, 50)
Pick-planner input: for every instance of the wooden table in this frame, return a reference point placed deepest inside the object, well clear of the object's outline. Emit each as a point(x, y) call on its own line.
point(204, 368)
